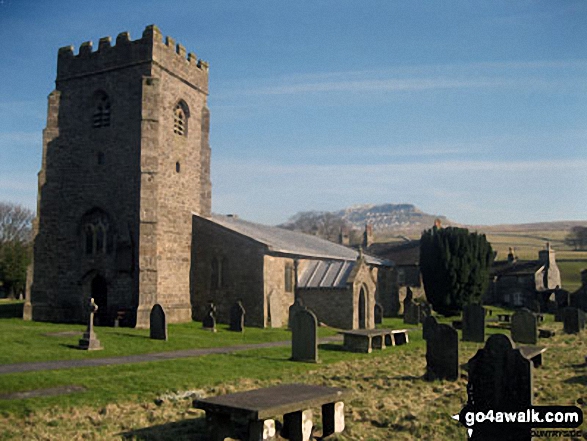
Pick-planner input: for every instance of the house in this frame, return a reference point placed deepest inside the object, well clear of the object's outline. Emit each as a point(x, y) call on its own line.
point(517, 283)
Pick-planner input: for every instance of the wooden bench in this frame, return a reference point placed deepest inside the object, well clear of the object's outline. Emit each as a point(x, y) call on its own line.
point(250, 415)
point(365, 340)
point(533, 353)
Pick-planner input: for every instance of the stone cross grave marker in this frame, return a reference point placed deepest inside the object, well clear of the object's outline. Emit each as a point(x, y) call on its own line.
point(524, 327)
point(442, 351)
point(89, 341)
point(378, 314)
point(237, 317)
point(304, 336)
point(209, 322)
point(157, 323)
point(572, 320)
point(298, 305)
point(474, 323)
point(500, 377)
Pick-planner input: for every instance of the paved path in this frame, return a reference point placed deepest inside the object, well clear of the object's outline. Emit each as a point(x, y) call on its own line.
point(140, 358)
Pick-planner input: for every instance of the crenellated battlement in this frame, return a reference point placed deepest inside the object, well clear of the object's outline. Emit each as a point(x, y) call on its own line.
point(150, 48)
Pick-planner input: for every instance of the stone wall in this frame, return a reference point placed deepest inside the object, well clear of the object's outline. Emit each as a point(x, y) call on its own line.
point(242, 260)
point(334, 307)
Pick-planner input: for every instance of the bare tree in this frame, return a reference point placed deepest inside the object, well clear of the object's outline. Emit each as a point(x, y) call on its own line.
point(15, 222)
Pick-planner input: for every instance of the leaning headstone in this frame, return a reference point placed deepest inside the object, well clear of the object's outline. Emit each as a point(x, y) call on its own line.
point(474, 323)
point(524, 327)
point(500, 377)
point(411, 313)
point(237, 317)
point(89, 341)
point(304, 336)
point(571, 320)
point(442, 351)
point(298, 305)
point(209, 322)
point(157, 323)
point(378, 314)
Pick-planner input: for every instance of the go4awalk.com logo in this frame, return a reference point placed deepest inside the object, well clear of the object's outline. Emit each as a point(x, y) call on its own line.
point(519, 425)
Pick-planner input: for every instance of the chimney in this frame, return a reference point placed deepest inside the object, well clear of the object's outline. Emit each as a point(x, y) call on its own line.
point(368, 236)
point(546, 256)
point(344, 236)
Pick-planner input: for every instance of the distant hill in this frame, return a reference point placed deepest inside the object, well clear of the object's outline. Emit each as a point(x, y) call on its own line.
point(386, 219)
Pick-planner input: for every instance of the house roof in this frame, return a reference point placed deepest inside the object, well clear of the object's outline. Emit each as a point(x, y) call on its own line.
point(279, 240)
point(407, 253)
point(518, 268)
point(324, 273)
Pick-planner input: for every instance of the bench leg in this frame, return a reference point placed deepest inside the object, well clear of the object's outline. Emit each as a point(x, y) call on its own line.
point(332, 418)
point(297, 426)
point(377, 342)
point(219, 426)
point(261, 430)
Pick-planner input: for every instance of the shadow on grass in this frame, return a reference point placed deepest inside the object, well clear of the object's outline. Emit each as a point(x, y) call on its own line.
point(124, 334)
point(11, 310)
point(331, 347)
point(193, 430)
point(579, 379)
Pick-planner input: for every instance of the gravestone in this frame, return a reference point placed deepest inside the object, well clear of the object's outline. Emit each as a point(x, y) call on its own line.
point(157, 323)
point(533, 305)
point(298, 305)
point(237, 317)
point(559, 314)
point(411, 313)
point(425, 310)
point(209, 322)
point(89, 341)
point(304, 336)
point(442, 351)
point(551, 307)
point(524, 327)
point(500, 377)
point(572, 320)
point(378, 314)
point(474, 323)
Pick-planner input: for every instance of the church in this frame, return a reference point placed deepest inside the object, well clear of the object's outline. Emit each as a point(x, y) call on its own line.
point(124, 207)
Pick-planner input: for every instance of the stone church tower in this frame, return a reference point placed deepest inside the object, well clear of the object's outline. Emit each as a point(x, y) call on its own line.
point(126, 160)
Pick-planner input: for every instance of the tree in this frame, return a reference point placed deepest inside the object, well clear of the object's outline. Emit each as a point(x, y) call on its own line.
point(15, 246)
point(577, 238)
point(455, 267)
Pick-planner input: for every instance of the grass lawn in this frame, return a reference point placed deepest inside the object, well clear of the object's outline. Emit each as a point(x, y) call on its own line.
point(391, 400)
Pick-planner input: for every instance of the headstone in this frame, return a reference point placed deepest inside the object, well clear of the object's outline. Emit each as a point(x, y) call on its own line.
point(298, 305)
point(158, 324)
point(572, 320)
point(378, 314)
point(524, 327)
point(533, 305)
point(304, 336)
point(500, 377)
point(474, 323)
point(411, 313)
point(442, 351)
point(551, 307)
point(209, 322)
point(559, 314)
point(21, 296)
point(237, 317)
point(89, 341)
point(425, 310)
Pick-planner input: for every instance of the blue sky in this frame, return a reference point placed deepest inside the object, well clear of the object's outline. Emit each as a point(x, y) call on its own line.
point(476, 110)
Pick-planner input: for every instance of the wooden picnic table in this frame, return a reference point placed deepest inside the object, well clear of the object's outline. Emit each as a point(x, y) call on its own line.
point(365, 340)
point(250, 415)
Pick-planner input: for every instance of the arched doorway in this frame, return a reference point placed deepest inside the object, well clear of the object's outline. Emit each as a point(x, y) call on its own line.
point(100, 296)
point(362, 309)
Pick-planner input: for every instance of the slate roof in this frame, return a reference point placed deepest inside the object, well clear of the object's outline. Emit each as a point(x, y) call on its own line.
point(519, 268)
point(279, 240)
point(407, 253)
point(324, 273)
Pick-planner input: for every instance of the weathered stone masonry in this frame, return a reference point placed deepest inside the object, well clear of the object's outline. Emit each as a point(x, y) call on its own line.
point(118, 183)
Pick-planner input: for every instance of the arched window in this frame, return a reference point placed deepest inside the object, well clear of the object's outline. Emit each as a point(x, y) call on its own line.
point(180, 119)
point(97, 234)
point(101, 117)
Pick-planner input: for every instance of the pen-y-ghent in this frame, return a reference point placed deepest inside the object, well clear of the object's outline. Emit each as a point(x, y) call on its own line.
point(129, 309)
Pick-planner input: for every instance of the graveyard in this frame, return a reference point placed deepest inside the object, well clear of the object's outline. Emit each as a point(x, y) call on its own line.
point(391, 397)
